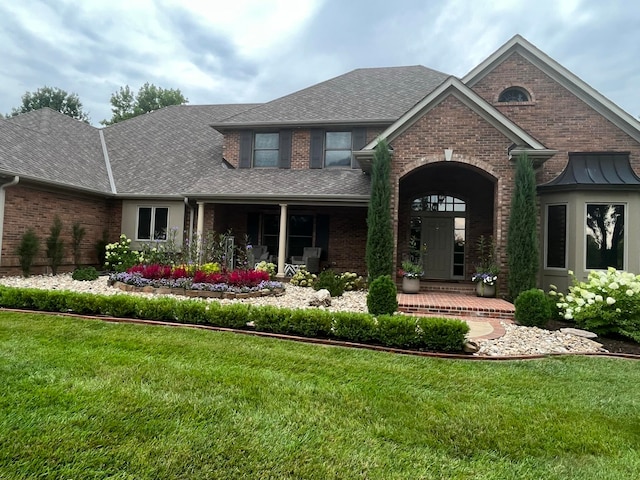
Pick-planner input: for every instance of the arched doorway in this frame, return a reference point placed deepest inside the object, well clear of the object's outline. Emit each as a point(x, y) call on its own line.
point(444, 207)
point(438, 235)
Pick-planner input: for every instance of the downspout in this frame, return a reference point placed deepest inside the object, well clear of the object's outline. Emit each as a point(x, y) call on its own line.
point(12, 183)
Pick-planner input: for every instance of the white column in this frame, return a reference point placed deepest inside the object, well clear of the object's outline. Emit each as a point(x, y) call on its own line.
point(282, 240)
point(200, 231)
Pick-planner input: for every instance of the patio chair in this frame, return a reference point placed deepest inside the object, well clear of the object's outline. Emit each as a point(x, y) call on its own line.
point(310, 259)
point(260, 253)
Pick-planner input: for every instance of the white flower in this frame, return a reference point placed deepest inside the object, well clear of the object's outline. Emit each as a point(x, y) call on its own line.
point(599, 298)
point(568, 316)
point(570, 272)
point(630, 292)
point(614, 286)
point(611, 300)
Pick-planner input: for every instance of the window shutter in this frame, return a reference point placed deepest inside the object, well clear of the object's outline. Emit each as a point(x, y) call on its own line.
point(322, 235)
point(284, 160)
point(316, 150)
point(246, 147)
point(358, 141)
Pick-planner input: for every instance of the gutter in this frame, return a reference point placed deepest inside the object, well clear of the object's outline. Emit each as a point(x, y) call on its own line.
point(3, 187)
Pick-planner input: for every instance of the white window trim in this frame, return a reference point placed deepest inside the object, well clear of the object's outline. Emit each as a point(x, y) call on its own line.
point(153, 219)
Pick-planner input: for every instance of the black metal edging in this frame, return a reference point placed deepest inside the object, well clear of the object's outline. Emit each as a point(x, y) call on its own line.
point(323, 341)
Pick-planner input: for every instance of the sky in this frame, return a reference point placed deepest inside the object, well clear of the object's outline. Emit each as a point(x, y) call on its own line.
point(248, 51)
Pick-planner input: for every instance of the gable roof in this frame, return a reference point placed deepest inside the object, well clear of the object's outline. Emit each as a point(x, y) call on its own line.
point(49, 147)
point(454, 87)
point(593, 98)
point(365, 96)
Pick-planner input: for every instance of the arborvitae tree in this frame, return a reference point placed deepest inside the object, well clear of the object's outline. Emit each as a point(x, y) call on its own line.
point(379, 253)
point(522, 243)
point(78, 232)
point(27, 251)
point(55, 245)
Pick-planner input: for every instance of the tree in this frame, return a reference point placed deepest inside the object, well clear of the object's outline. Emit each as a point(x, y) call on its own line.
point(55, 245)
point(522, 243)
point(55, 98)
point(379, 255)
point(125, 105)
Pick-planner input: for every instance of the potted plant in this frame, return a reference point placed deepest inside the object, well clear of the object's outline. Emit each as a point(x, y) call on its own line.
point(486, 275)
point(411, 274)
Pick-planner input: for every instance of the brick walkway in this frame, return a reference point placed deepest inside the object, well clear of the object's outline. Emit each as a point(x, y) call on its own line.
point(484, 315)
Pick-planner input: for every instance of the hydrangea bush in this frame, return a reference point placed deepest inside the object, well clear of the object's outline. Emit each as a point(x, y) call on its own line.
point(608, 302)
point(119, 256)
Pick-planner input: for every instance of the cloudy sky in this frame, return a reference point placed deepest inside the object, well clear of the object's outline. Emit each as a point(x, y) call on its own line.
point(222, 51)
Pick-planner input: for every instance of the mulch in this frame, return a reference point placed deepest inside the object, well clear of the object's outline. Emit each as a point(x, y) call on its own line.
point(613, 343)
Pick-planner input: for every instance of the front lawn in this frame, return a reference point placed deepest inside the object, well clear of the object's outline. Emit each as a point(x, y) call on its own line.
point(90, 399)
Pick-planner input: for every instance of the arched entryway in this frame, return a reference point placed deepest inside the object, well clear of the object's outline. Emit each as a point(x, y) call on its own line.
point(443, 208)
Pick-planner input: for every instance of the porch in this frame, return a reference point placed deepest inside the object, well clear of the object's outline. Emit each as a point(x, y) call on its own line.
point(458, 300)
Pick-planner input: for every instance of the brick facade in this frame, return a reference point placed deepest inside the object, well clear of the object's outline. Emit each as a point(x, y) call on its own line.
point(31, 207)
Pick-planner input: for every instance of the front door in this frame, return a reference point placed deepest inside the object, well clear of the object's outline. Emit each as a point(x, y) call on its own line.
point(437, 240)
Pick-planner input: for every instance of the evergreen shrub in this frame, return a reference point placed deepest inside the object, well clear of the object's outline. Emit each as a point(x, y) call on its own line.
point(532, 308)
point(86, 274)
point(382, 298)
point(27, 251)
point(330, 281)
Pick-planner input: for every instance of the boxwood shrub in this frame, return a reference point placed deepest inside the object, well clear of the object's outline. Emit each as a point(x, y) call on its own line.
point(398, 331)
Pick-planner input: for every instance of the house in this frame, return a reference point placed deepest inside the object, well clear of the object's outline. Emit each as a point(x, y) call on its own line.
point(294, 172)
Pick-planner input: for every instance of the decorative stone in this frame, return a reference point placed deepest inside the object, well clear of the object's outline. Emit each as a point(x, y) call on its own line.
point(177, 291)
point(163, 291)
point(470, 347)
point(579, 333)
point(321, 298)
point(148, 289)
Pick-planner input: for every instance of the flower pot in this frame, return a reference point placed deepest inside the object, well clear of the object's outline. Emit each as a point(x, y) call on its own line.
point(485, 290)
point(410, 285)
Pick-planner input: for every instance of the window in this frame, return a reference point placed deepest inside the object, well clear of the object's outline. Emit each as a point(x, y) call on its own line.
point(266, 149)
point(514, 94)
point(337, 149)
point(604, 236)
point(438, 203)
point(556, 239)
point(300, 233)
point(152, 223)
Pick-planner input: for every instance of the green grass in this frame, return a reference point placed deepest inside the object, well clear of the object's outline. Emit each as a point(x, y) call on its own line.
point(90, 399)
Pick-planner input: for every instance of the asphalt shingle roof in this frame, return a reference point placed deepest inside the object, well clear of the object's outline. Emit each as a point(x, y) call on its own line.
point(367, 94)
point(166, 151)
point(49, 146)
point(175, 151)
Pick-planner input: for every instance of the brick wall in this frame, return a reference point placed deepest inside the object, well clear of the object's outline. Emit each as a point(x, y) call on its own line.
point(32, 207)
point(555, 116)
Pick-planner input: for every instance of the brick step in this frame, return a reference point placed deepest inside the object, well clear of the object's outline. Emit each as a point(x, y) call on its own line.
point(455, 305)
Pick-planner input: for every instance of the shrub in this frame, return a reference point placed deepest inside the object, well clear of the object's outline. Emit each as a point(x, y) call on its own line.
point(191, 311)
point(442, 334)
point(77, 234)
point(27, 251)
point(532, 308)
point(352, 281)
point(268, 267)
point(160, 308)
point(382, 298)
point(119, 257)
point(101, 248)
point(85, 274)
point(235, 315)
point(302, 278)
point(609, 302)
point(398, 331)
point(522, 239)
point(330, 281)
point(354, 327)
point(379, 250)
point(55, 245)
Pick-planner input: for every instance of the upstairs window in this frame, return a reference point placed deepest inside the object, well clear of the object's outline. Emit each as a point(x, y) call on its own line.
point(337, 150)
point(266, 149)
point(514, 94)
point(152, 223)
